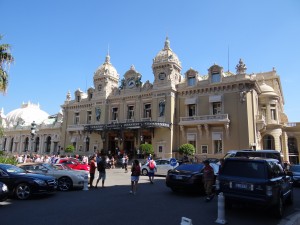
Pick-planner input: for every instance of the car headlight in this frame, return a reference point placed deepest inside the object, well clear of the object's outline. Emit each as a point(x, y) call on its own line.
point(4, 188)
point(40, 182)
point(80, 176)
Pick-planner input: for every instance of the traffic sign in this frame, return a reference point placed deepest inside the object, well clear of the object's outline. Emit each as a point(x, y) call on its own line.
point(173, 162)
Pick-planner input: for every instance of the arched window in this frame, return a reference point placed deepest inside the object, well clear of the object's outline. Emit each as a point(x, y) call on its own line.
point(11, 145)
point(48, 144)
point(37, 145)
point(268, 142)
point(26, 144)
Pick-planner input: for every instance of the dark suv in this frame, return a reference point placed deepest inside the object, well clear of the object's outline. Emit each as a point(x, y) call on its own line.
point(255, 181)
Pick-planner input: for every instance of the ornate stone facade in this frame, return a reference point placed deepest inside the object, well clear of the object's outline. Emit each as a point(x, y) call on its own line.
point(216, 112)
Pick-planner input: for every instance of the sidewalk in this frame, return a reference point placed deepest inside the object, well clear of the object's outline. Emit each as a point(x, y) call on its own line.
point(293, 219)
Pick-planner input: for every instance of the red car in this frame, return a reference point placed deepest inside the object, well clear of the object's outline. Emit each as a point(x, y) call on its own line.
point(74, 164)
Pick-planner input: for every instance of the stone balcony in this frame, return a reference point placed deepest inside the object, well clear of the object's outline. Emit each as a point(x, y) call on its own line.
point(204, 119)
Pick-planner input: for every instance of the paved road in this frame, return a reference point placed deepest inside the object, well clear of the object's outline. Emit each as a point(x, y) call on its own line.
point(154, 204)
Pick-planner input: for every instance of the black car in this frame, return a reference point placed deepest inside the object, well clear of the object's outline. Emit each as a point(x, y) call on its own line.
point(255, 181)
point(23, 185)
point(188, 177)
point(295, 172)
point(3, 192)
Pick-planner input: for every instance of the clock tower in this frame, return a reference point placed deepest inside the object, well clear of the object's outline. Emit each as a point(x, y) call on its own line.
point(166, 68)
point(106, 79)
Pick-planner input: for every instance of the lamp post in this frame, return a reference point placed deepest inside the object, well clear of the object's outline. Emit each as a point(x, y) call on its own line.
point(33, 133)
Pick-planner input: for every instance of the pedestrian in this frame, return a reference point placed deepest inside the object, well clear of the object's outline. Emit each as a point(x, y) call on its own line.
point(135, 175)
point(208, 180)
point(152, 168)
point(92, 170)
point(102, 173)
point(125, 160)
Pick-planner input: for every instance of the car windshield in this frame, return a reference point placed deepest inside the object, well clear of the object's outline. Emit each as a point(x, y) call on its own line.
point(49, 166)
point(190, 167)
point(13, 169)
point(295, 168)
point(62, 167)
point(244, 169)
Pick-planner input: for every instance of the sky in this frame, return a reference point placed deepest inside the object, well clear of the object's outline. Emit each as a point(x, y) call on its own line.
point(59, 44)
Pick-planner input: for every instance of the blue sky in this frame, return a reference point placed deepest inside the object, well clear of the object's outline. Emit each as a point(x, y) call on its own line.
point(59, 44)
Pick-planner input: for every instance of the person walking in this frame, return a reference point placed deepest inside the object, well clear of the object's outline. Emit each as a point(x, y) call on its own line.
point(92, 170)
point(125, 162)
point(208, 180)
point(135, 176)
point(102, 173)
point(152, 168)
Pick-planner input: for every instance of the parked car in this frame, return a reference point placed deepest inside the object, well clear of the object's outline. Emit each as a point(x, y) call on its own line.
point(295, 173)
point(3, 192)
point(67, 179)
point(74, 164)
point(23, 185)
point(62, 166)
point(162, 167)
point(257, 181)
point(188, 177)
point(273, 154)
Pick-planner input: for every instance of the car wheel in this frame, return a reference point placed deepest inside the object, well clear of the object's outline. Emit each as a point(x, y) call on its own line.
point(64, 184)
point(228, 204)
point(145, 172)
point(23, 191)
point(279, 207)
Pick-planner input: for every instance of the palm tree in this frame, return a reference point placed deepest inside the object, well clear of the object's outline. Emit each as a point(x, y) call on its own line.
point(5, 59)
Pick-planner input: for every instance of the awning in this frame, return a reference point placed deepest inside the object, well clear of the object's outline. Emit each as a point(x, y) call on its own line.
point(189, 101)
point(215, 98)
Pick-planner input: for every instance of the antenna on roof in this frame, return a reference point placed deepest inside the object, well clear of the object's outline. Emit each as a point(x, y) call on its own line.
point(228, 57)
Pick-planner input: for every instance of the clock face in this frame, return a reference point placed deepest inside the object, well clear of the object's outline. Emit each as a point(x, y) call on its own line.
point(131, 83)
point(162, 76)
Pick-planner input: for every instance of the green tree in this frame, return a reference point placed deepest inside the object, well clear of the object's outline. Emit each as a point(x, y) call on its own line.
point(70, 149)
point(147, 149)
point(5, 59)
point(187, 149)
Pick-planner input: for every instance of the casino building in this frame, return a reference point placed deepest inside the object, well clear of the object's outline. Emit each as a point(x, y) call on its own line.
point(216, 112)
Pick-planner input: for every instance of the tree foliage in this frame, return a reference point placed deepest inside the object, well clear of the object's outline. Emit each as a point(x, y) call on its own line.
point(147, 149)
point(5, 59)
point(70, 149)
point(187, 149)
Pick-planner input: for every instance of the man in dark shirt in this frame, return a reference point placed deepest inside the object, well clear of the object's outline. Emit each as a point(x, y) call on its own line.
point(101, 168)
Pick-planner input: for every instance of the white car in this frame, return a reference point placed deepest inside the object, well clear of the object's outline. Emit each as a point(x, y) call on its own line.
point(67, 179)
point(162, 167)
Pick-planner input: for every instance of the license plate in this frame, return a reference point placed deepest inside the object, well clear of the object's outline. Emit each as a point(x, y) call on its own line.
point(243, 186)
point(178, 177)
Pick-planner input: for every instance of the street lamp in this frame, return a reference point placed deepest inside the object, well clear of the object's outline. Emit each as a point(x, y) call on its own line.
point(33, 133)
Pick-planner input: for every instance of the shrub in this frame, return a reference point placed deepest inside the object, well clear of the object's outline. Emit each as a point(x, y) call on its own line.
point(147, 149)
point(187, 149)
point(70, 149)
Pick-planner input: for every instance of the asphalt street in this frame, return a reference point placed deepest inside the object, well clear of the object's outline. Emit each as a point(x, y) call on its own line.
point(154, 204)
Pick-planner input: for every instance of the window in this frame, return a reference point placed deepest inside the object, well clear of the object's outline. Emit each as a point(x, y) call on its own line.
point(78, 98)
point(204, 149)
point(217, 138)
point(48, 144)
point(89, 117)
point(76, 118)
point(191, 139)
point(191, 80)
point(130, 113)
point(114, 113)
point(268, 142)
point(217, 108)
point(160, 148)
point(273, 112)
point(87, 144)
point(192, 110)
point(215, 78)
point(26, 144)
point(147, 111)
